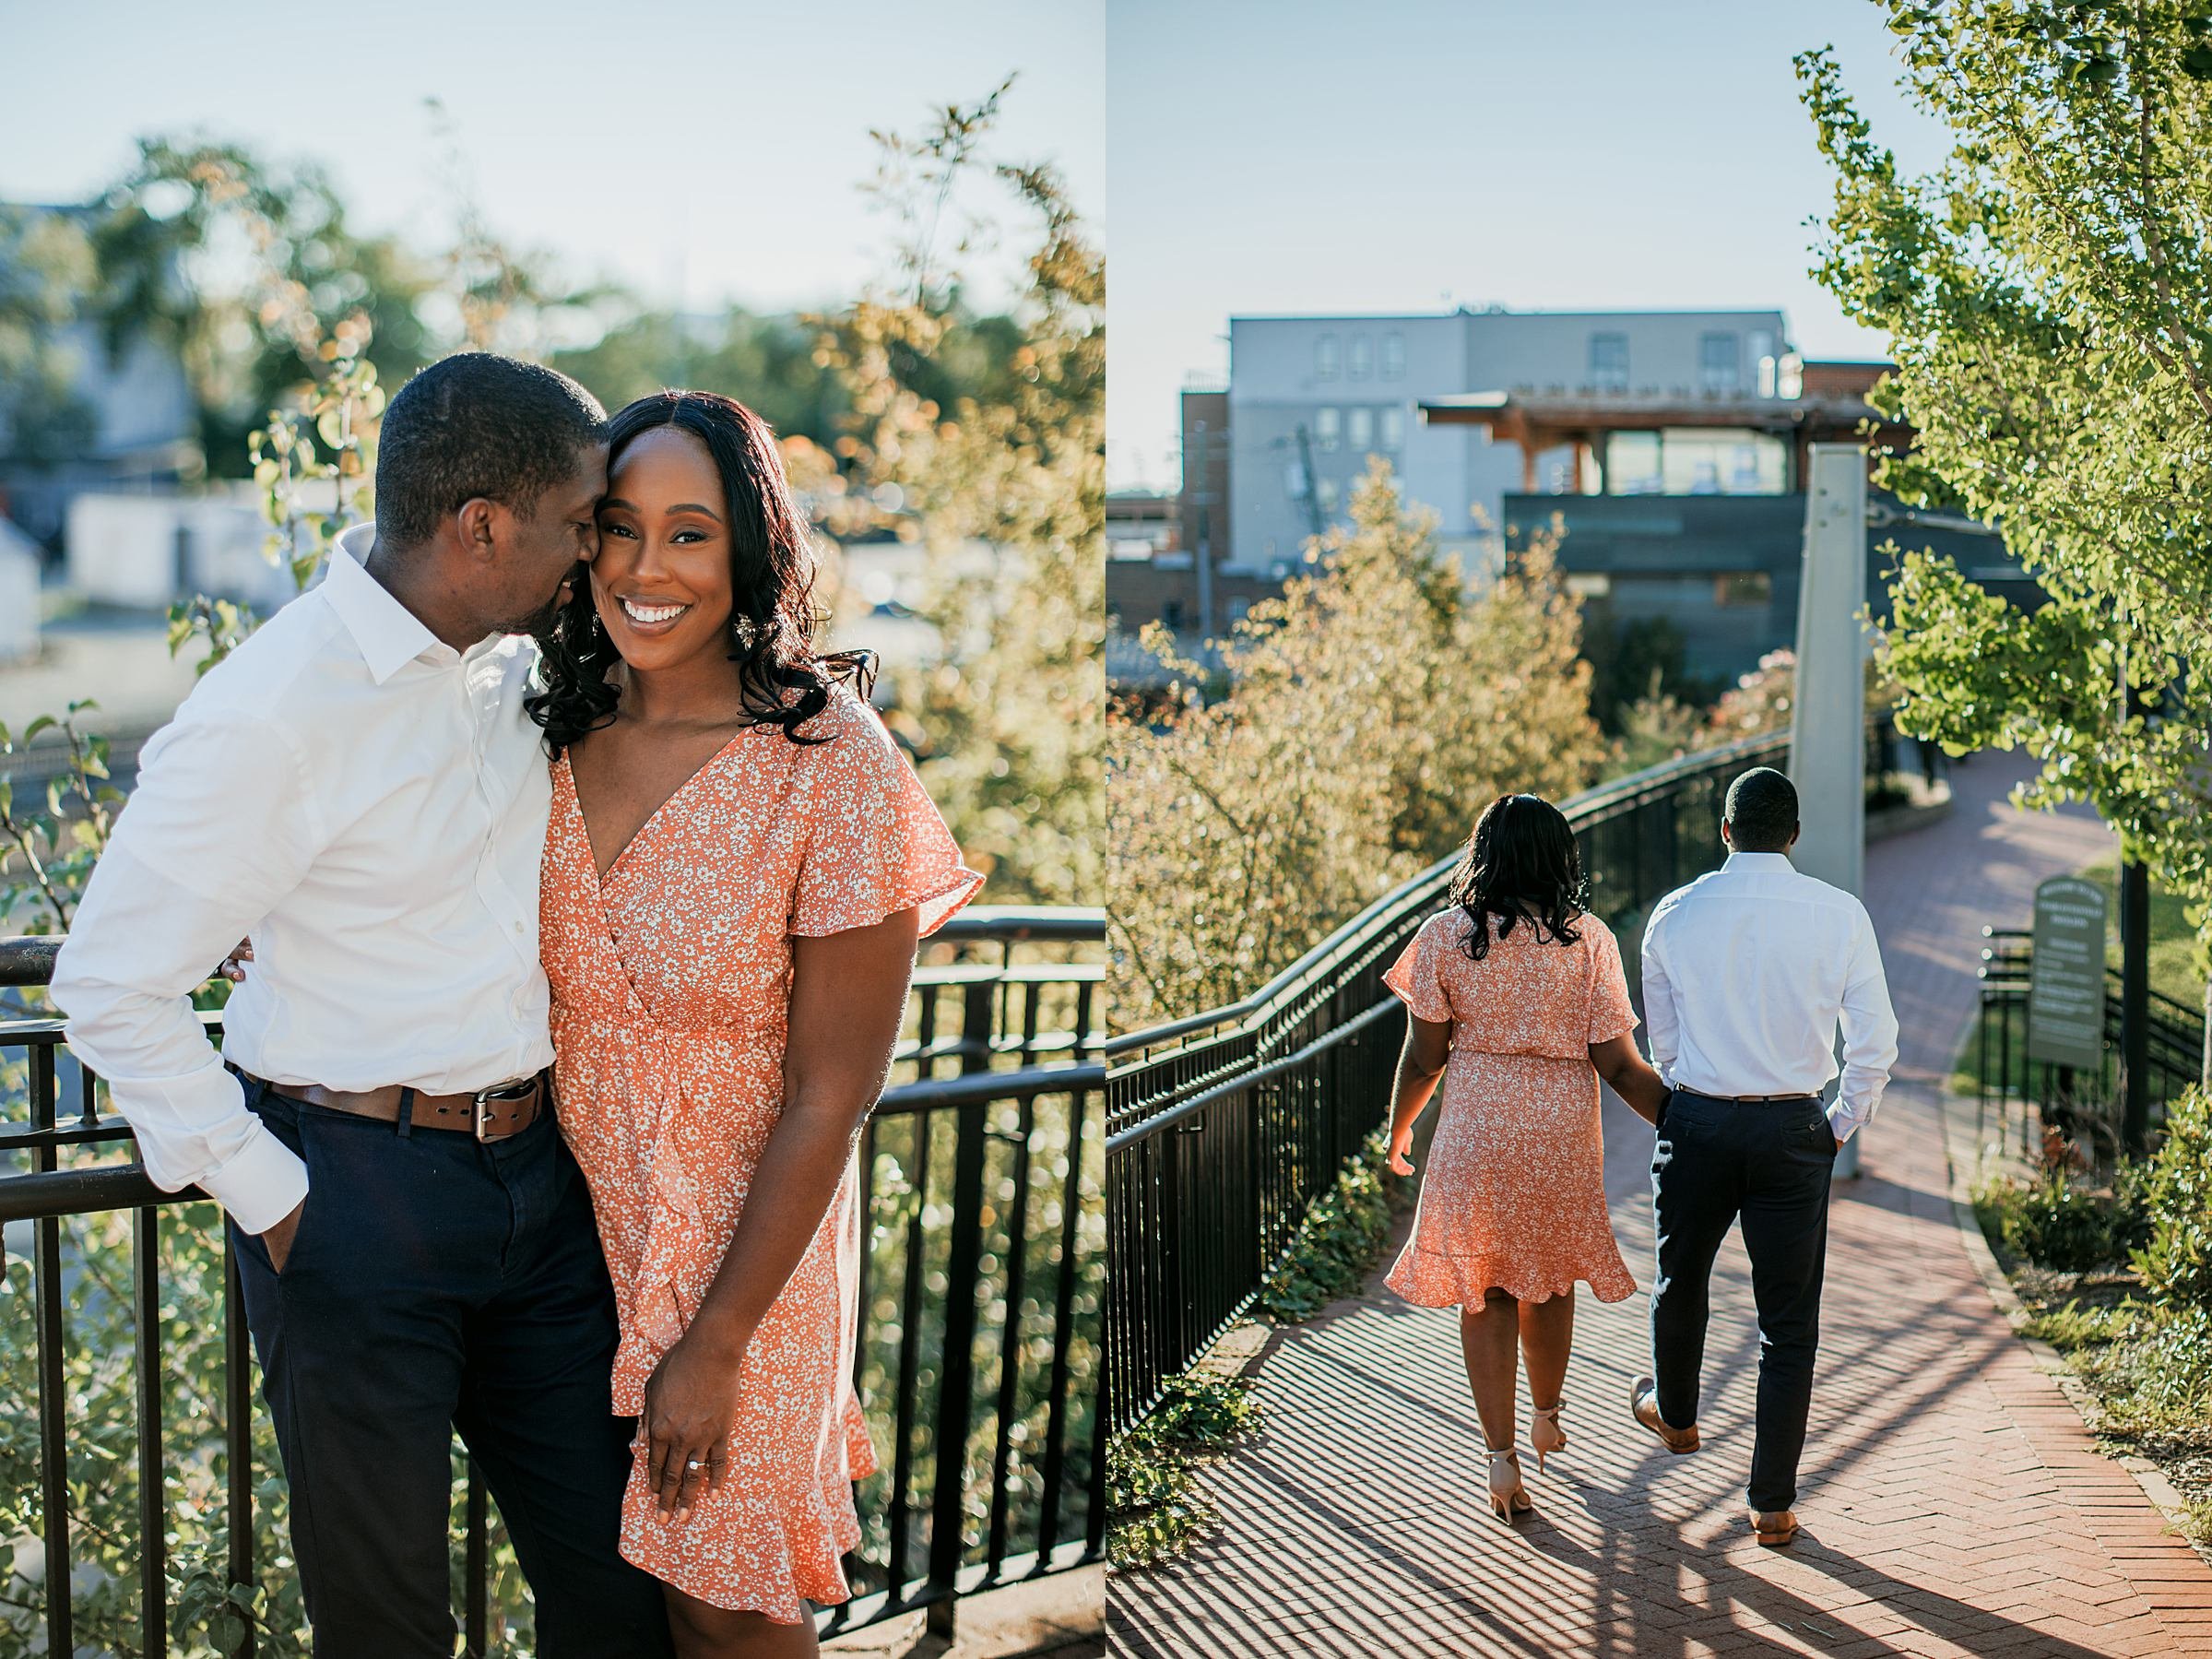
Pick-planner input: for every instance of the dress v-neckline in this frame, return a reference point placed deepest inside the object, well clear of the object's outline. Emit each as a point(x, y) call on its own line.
point(591, 858)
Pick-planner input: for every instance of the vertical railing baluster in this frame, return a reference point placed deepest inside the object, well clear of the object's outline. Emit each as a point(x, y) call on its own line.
point(1063, 1313)
point(1010, 1332)
point(476, 1567)
point(956, 1363)
point(54, 1439)
point(153, 1565)
point(910, 1313)
point(238, 1435)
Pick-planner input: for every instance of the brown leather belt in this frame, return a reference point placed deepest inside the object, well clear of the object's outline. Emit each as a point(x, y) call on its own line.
point(1746, 1099)
point(492, 1114)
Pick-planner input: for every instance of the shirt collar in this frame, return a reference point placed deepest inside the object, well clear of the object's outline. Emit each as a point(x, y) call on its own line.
point(1758, 860)
point(389, 634)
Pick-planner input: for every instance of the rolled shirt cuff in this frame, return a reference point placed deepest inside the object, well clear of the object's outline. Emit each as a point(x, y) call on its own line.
point(262, 1185)
point(1842, 1124)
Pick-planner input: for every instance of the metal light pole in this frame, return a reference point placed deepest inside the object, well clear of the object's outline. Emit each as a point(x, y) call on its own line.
point(2134, 971)
point(1827, 715)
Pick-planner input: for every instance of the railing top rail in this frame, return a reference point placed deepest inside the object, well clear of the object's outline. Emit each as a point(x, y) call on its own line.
point(28, 960)
point(1589, 806)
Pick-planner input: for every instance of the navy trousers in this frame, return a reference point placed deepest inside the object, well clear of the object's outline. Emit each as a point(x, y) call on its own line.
point(1766, 1164)
point(436, 1284)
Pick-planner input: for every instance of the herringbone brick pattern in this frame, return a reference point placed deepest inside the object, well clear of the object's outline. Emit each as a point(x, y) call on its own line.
point(1952, 1500)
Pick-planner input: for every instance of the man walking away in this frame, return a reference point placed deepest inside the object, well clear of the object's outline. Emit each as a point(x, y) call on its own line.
point(1747, 974)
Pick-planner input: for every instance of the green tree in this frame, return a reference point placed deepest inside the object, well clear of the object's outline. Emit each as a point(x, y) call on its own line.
point(2047, 293)
point(1369, 713)
point(47, 267)
point(1007, 495)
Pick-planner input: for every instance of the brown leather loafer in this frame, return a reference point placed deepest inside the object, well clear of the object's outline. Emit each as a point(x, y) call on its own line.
point(1643, 1405)
point(1774, 1528)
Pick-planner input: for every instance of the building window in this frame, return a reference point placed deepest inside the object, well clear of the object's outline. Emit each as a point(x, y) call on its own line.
point(1394, 356)
point(1720, 364)
point(1359, 430)
point(1391, 438)
point(1712, 461)
point(1361, 361)
point(1324, 357)
point(1609, 363)
point(1328, 426)
point(1171, 614)
point(1735, 589)
point(1326, 494)
point(1588, 585)
point(1632, 463)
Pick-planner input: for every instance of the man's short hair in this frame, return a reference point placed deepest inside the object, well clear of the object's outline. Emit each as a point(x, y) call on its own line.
point(473, 424)
point(1761, 810)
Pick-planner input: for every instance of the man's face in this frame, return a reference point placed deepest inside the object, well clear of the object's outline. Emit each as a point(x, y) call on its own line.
point(547, 549)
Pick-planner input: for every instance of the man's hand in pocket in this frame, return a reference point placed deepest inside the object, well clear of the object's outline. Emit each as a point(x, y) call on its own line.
point(278, 1240)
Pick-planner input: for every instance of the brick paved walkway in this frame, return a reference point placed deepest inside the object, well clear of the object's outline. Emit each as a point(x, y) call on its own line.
point(1952, 1500)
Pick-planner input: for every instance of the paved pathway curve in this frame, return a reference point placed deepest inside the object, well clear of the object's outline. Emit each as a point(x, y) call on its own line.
point(1953, 1502)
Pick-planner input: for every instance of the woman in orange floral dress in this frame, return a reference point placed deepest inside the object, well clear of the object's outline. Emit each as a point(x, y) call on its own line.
point(738, 864)
point(1515, 999)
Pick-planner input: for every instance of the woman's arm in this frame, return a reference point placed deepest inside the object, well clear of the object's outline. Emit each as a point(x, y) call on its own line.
point(1420, 1063)
point(848, 994)
point(1631, 1076)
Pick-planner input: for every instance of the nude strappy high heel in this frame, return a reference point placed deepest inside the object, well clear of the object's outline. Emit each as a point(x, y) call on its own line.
point(1545, 1436)
point(1508, 1498)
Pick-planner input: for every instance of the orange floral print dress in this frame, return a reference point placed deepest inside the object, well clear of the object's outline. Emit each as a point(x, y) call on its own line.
point(1513, 1190)
point(671, 983)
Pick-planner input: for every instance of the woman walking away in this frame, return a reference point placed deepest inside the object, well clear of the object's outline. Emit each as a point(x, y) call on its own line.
point(1518, 1003)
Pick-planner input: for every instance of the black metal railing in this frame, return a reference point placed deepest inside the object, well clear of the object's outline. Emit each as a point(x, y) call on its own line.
point(978, 1361)
point(1222, 1127)
point(2082, 1102)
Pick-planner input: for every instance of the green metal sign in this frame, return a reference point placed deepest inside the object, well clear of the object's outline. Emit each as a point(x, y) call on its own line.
point(2065, 986)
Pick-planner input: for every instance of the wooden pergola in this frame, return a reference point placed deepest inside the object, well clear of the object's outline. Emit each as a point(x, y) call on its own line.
point(1582, 421)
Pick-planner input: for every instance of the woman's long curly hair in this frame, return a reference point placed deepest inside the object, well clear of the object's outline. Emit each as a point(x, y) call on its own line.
point(1522, 865)
point(782, 680)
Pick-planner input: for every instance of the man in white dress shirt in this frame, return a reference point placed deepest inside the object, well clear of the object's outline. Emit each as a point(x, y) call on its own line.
point(359, 788)
point(1747, 973)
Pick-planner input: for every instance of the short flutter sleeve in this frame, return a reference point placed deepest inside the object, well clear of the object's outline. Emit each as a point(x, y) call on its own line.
point(1610, 1013)
point(875, 842)
point(1417, 974)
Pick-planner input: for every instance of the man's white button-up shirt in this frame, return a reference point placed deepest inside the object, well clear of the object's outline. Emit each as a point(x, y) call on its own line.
point(369, 806)
point(1747, 973)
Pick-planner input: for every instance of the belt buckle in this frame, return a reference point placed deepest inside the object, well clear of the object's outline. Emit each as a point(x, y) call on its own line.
point(498, 1091)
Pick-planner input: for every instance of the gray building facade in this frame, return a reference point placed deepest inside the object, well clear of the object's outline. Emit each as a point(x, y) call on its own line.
point(1312, 397)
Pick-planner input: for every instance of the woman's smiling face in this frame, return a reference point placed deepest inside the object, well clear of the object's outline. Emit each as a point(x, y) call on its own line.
point(661, 582)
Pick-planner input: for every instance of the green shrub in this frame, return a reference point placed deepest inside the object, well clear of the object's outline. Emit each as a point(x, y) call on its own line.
point(2055, 1221)
point(2175, 1260)
point(1159, 1505)
point(1338, 1241)
point(2154, 1380)
point(2076, 1327)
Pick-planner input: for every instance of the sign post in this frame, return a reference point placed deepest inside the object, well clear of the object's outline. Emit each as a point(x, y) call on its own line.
point(2066, 977)
point(1828, 717)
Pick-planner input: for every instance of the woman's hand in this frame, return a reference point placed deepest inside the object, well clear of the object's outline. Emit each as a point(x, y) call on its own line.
point(1401, 1145)
point(691, 1402)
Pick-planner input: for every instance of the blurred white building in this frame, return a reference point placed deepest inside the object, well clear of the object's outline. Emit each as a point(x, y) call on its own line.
point(144, 552)
point(19, 560)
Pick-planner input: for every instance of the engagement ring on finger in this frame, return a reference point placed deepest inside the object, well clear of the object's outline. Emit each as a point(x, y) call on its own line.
point(694, 1464)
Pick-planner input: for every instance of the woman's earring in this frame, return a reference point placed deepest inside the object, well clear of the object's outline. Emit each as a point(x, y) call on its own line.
point(742, 627)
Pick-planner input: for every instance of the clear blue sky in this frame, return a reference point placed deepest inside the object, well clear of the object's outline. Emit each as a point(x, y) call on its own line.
point(700, 150)
point(1290, 155)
